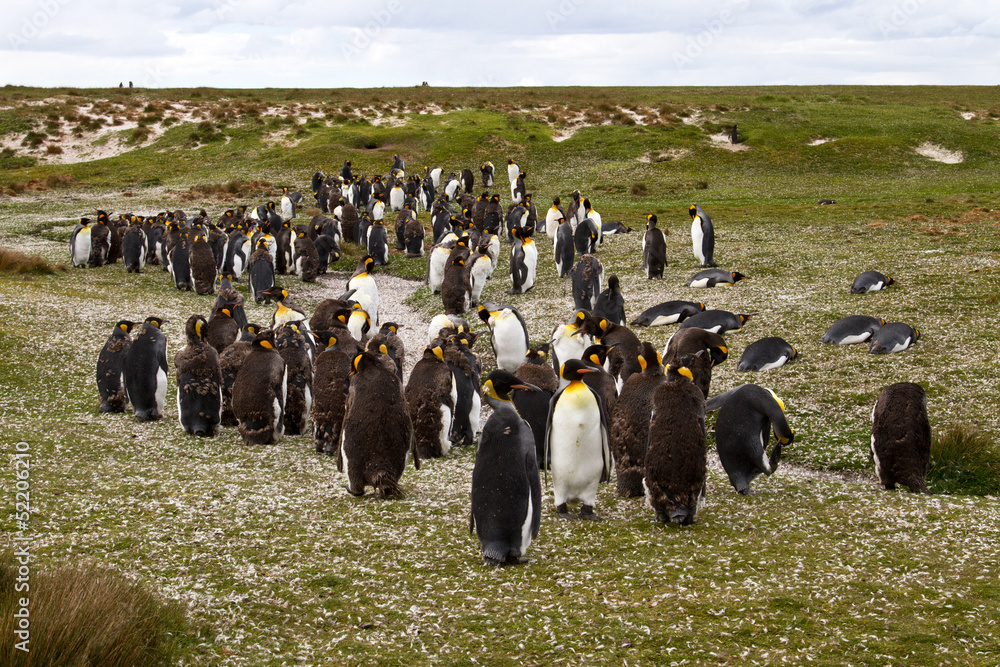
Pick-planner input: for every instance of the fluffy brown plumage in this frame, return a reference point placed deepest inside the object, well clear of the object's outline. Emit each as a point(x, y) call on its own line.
point(259, 393)
point(292, 347)
point(430, 403)
point(230, 361)
point(456, 291)
point(901, 437)
point(630, 424)
point(305, 258)
point(199, 381)
point(330, 373)
point(203, 266)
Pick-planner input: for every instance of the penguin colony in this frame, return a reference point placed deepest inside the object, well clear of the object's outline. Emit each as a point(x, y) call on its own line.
point(591, 401)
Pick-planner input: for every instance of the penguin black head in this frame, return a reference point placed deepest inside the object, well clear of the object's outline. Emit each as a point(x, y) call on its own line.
point(744, 317)
point(276, 293)
point(125, 325)
point(737, 276)
point(486, 311)
point(693, 210)
point(325, 340)
point(84, 221)
point(718, 353)
point(157, 322)
point(597, 354)
point(651, 219)
point(613, 282)
point(537, 355)
point(389, 328)
point(195, 328)
point(510, 160)
point(500, 383)
point(556, 202)
point(574, 370)
point(265, 340)
point(680, 371)
point(650, 359)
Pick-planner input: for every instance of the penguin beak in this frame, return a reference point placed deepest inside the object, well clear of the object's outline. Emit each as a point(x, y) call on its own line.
point(586, 370)
point(526, 386)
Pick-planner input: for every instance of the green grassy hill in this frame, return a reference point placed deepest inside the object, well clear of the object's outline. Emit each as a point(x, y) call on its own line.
point(275, 562)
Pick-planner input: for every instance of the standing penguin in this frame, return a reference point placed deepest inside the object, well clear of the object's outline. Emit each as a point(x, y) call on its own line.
point(576, 442)
point(456, 291)
point(508, 334)
point(480, 270)
point(431, 395)
point(552, 217)
point(134, 249)
point(517, 188)
point(587, 276)
point(523, 261)
point(259, 393)
point(377, 242)
point(100, 241)
point(610, 303)
point(513, 170)
point(365, 288)
point(466, 366)
point(179, 264)
point(330, 374)
point(585, 237)
point(204, 270)
point(230, 361)
point(506, 492)
point(901, 437)
point(80, 243)
point(305, 258)
point(144, 371)
point(199, 382)
point(675, 457)
point(109, 368)
point(377, 432)
point(487, 172)
point(747, 415)
point(533, 406)
point(702, 235)
point(630, 423)
point(563, 248)
point(570, 339)
point(261, 270)
point(387, 335)
point(295, 352)
point(654, 249)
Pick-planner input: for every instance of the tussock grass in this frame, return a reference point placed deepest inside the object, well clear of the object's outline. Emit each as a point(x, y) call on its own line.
point(13, 262)
point(965, 461)
point(82, 616)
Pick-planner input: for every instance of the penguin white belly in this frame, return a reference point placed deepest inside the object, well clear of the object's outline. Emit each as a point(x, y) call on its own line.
point(575, 446)
point(396, 199)
point(526, 527)
point(451, 190)
point(853, 340)
point(876, 287)
point(899, 347)
point(308, 401)
point(596, 217)
point(567, 347)
point(436, 177)
point(161, 389)
point(531, 263)
point(508, 339)
point(701, 282)
point(287, 208)
point(765, 465)
point(774, 364)
point(378, 211)
point(513, 171)
point(279, 408)
point(715, 329)
point(142, 255)
point(481, 271)
point(446, 418)
point(878, 464)
point(435, 274)
point(663, 320)
point(493, 250)
point(697, 240)
point(474, 413)
point(180, 413)
point(81, 248)
point(552, 223)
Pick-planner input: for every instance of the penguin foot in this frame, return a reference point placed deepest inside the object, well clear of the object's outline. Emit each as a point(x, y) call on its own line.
point(347, 487)
point(493, 562)
point(587, 514)
point(564, 513)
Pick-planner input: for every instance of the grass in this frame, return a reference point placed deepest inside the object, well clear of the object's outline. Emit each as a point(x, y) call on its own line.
point(964, 460)
point(82, 616)
point(274, 562)
point(13, 262)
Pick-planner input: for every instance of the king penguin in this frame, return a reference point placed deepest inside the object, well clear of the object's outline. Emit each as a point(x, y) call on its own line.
point(893, 337)
point(365, 288)
point(80, 242)
point(199, 382)
point(144, 371)
point(747, 415)
point(523, 261)
point(654, 249)
point(766, 354)
point(630, 423)
point(901, 437)
point(377, 432)
point(533, 406)
point(576, 442)
point(487, 172)
point(431, 395)
point(508, 334)
point(675, 457)
point(610, 303)
point(563, 248)
point(870, 281)
point(506, 491)
point(702, 236)
point(109, 368)
point(852, 330)
point(259, 393)
point(291, 343)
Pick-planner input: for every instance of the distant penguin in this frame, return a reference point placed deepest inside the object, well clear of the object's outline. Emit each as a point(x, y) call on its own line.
point(327, 251)
point(594, 217)
point(717, 321)
point(610, 303)
point(199, 382)
point(377, 432)
point(654, 249)
point(261, 269)
point(365, 288)
point(134, 249)
point(480, 270)
point(506, 492)
point(291, 343)
point(287, 205)
point(870, 281)
point(259, 392)
point(747, 415)
point(431, 395)
point(668, 312)
point(518, 189)
point(378, 243)
point(901, 437)
point(533, 405)
point(179, 264)
point(80, 243)
point(563, 248)
point(523, 262)
point(100, 242)
point(675, 457)
point(144, 371)
point(397, 196)
point(614, 227)
point(466, 366)
point(413, 238)
point(109, 368)
point(766, 354)
point(569, 340)
point(305, 258)
point(456, 291)
point(330, 375)
point(714, 277)
point(513, 170)
point(852, 329)
point(493, 215)
point(508, 335)
point(585, 237)
point(576, 442)
point(487, 172)
point(468, 180)
point(230, 361)
point(893, 337)
point(388, 335)
point(575, 211)
point(586, 278)
point(552, 217)
point(445, 325)
point(345, 171)
point(630, 423)
point(702, 236)
point(204, 270)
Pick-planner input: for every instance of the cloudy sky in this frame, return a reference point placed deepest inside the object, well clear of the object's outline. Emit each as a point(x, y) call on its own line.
point(272, 43)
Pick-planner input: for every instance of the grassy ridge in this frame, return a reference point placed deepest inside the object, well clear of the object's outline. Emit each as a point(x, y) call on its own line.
point(272, 559)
